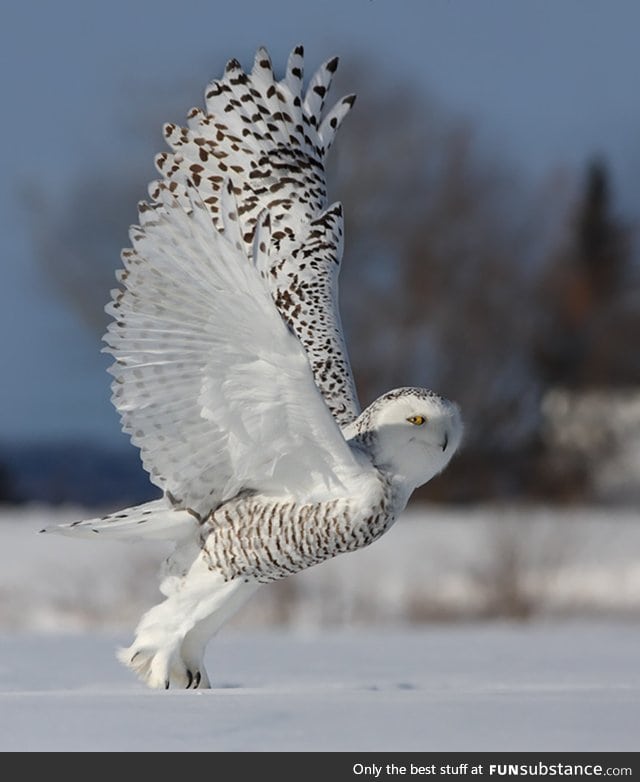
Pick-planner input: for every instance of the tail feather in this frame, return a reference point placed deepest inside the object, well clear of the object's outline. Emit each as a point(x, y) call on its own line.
point(152, 520)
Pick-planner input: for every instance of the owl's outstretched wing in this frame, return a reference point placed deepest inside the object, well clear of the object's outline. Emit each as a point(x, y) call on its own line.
point(210, 382)
point(270, 139)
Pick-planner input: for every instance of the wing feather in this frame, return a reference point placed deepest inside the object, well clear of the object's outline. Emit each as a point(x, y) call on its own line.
point(270, 140)
point(210, 383)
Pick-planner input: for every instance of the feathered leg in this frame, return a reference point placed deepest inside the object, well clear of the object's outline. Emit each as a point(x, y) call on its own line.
point(196, 640)
point(168, 650)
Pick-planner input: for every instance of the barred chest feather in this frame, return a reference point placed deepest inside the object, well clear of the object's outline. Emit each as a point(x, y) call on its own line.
point(262, 540)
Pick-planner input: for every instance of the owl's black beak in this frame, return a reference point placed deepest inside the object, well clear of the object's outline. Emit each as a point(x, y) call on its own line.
point(445, 442)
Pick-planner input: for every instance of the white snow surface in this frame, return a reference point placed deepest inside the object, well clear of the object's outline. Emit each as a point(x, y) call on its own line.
point(349, 655)
point(452, 688)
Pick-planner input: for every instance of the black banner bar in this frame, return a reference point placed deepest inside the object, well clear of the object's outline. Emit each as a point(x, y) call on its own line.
point(372, 766)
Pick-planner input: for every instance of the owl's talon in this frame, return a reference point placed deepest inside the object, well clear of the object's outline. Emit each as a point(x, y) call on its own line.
point(189, 680)
point(196, 681)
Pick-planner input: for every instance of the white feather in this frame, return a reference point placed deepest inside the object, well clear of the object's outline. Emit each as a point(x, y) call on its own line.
point(227, 401)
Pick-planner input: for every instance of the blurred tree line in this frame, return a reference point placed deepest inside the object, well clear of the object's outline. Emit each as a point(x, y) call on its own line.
point(457, 275)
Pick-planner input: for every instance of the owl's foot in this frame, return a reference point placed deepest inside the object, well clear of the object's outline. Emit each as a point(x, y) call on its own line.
point(163, 668)
point(168, 650)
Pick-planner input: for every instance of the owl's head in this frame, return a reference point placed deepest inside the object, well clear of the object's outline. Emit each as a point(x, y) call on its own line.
point(412, 433)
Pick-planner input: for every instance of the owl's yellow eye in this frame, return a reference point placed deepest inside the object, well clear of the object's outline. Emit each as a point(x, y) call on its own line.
point(418, 420)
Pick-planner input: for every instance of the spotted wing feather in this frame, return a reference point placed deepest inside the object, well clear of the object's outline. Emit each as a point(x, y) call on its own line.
point(269, 138)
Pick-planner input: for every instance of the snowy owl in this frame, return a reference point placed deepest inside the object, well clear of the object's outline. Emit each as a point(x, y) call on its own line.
point(231, 373)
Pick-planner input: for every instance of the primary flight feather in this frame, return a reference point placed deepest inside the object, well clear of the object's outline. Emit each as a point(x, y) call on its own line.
point(231, 373)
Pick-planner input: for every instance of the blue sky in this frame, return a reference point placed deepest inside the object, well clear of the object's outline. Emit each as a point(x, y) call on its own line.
point(548, 82)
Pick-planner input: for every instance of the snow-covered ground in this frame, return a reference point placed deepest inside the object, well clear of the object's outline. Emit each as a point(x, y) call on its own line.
point(485, 687)
point(361, 653)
